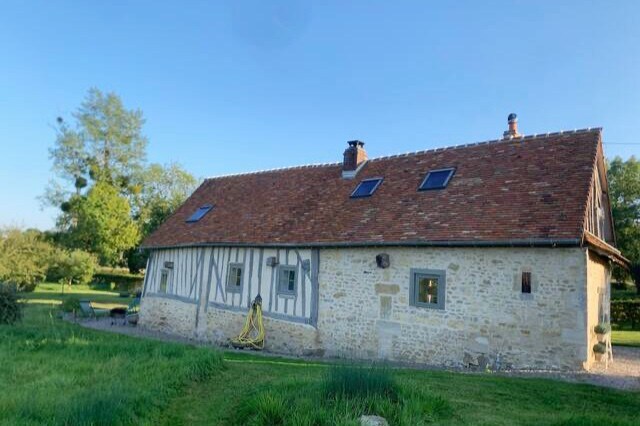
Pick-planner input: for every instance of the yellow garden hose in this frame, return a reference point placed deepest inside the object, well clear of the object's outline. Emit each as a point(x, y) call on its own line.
point(252, 334)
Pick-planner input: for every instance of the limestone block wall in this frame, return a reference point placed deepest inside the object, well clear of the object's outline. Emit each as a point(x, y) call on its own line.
point(598, 306)
point(364, 311)
point(282, 336)
point(168, 315)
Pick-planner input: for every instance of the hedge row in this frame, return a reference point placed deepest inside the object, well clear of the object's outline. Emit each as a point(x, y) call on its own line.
point(119, 281)
point(625, 312)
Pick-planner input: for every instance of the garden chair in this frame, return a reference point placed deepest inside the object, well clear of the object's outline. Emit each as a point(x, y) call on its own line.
point(133, 310)
point(87, 309)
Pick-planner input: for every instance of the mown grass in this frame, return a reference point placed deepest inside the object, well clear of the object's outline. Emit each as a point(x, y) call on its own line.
point(55, 372)
point(625, 338)
point(51, 294)
point(257, 392)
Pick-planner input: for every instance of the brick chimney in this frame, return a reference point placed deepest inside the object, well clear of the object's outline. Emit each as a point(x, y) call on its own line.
point(354, 157)
point(513, 127)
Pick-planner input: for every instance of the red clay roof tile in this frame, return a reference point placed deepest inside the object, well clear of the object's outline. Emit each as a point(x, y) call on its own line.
point(519, 189)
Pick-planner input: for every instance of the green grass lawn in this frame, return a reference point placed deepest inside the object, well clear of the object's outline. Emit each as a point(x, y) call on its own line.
point(53, 372)
point(625, 338)
point(51, 294)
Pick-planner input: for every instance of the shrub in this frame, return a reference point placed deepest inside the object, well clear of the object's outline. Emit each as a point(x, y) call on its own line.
point(120, 281)
point(602, 328)
point(625, 312)
point(599, 348)
point(71, 267)
point(352, 381)
point(23, 258)
point(70, 304)
point(10, 308)
point(136, 260)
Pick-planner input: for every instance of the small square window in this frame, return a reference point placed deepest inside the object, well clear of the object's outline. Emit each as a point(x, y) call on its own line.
point(366, 188)
point(287, 280)
point(526, 282)
point(437, 179)
point(427, 288)
point(199, 214)
point(234, 278)
point(164, 280)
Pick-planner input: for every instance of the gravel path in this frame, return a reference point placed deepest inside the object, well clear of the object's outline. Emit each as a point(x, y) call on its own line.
point(623, 373)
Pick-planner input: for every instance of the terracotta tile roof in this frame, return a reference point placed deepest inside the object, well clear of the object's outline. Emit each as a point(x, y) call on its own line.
point(504, 191)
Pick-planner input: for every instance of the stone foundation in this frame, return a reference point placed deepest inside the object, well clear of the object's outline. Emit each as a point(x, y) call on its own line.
point(168, 316)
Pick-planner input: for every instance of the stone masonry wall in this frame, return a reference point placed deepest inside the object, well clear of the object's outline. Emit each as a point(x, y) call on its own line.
point(217, 326)
point(168, 315)
point(364, 311)
point(598, 286)
point(282, 336)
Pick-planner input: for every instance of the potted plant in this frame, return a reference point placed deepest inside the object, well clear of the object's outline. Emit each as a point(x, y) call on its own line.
point(601, 331)
point(599, 349)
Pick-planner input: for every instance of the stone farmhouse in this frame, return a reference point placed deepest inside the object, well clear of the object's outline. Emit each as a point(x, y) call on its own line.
point(495, 252)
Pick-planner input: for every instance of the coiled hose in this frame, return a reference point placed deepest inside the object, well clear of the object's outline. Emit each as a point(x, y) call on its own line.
point(252, 334)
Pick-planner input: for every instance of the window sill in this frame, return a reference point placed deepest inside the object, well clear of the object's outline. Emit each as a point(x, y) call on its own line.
point(526, 296)
point(428, 307)
point(287, 296)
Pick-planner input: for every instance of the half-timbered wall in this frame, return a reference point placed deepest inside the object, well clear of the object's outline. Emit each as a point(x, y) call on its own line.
point(184, 269)
point(189, 269)
point(598, 221)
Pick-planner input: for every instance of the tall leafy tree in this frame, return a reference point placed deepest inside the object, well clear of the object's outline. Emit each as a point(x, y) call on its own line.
point(108, 197)
point(104, 224)
point(106, 144)
point(624, 188)
point(163, 189)
point(95, 159)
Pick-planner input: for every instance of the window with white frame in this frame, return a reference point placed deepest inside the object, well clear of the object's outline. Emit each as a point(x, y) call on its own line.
point(234, 278)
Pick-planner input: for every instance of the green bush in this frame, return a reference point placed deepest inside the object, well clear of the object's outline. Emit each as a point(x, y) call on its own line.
point(10, 308)
point(71, 267)
point(625, 313)
point(70, 304)
point(23, 258)
point(599, 348)
point(120, 281)
point(602, 328)
point(352, 380)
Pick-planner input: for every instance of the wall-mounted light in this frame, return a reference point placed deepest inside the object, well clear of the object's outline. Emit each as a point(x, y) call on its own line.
point(382, 260)
point(272, 261)
point(168, 265)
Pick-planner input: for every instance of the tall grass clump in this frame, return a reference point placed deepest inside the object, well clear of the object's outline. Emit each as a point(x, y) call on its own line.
point(350, 380)
point(266, 408)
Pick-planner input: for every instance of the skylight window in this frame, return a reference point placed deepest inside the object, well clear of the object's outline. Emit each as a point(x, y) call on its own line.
point(199, 214)
point(366, 188)
point(437, 179)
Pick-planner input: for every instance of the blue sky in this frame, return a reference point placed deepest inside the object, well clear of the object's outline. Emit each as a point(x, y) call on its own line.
point(247, 85)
